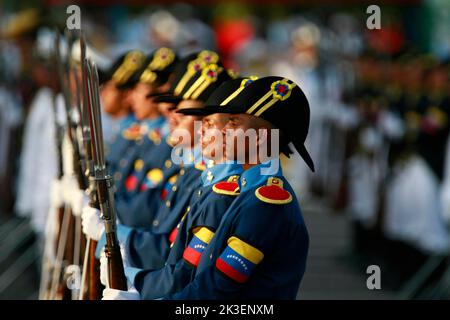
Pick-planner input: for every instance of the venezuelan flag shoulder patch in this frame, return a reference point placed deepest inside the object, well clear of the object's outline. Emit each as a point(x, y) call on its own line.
point(238, 260)
point(193, 252)
point(273, 192)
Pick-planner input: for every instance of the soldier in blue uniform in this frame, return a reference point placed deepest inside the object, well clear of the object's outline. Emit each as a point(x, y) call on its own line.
point(162, 222)
point(137, 209)
point(202, 217)
point(259, 250)
point(250, 255)
point(115, 88)
point(152, 77)
point(144, 173)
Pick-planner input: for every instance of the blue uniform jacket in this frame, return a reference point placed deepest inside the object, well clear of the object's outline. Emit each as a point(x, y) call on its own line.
point(207, 206)
point(151, 153)
point(127, 138)
point(259, 250)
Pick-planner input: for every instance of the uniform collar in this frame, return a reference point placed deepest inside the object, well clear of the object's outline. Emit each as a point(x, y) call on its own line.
point(126, 121)
point(255, 176)
point(153, 124)
point(219, 172)
point(189, 157)
point(165, 129)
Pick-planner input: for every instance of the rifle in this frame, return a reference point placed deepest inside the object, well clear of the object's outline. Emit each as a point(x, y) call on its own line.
point(103, 180)
point(91, 287)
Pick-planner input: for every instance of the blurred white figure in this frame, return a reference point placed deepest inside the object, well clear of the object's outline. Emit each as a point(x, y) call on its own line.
point(364, 179)
point(413, 208)
point(38, 161)
point(164, 29)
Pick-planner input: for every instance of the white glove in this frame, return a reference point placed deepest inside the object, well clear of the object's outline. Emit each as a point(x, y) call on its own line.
point(104, 266)
point(114, 294)
point(93, 226)
point(56, 193)
point(104, 269)
point(69, 185)
point(79, 201)
point(123, 253)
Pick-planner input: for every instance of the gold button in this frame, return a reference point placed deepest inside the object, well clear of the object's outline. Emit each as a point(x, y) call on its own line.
point(167, 203)
point(168, 164)
point(155, 223)
point(174, 188)
point(182, 172)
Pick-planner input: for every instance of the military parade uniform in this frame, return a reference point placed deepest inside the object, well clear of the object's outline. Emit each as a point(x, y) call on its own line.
point(154, 72)
point(201, 216)
point(200, 219)
point(144, 152)
point(146, 173)
point(141, 210)
point(155, 220)
point(121, 73)
point(189, 83)
point(254, 242)
point(251, 255)
point(138, 209)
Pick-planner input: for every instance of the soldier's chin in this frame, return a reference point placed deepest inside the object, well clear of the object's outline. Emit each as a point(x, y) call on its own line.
point(139, 116)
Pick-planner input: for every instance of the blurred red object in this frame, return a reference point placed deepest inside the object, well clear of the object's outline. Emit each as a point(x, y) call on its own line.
point(387, 40)
point(231, 36)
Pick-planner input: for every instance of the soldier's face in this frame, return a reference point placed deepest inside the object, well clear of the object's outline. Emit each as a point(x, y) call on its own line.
point(111, 98)
point(242, 137)
point(164, 108)
point(142, 106)
point(183, 127)
point(210, 144)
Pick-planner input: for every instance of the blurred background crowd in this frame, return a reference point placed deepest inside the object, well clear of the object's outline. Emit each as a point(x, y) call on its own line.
point(380, 108)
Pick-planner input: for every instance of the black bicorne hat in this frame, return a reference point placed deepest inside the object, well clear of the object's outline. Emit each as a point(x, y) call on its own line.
point(277, 100)
point(123, 69)
point(185, 70)
point(157, 67)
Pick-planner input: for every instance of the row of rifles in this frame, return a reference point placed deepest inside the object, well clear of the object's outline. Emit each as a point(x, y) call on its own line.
point(70, 270)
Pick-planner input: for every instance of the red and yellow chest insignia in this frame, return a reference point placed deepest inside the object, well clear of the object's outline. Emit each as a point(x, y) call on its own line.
point(155, 136)
point(200, 165)
point(133, 132)
point(273, 192)
point(229, 187)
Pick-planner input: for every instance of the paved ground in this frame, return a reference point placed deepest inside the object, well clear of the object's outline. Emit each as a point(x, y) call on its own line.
point(18, 260)
point(332, 271)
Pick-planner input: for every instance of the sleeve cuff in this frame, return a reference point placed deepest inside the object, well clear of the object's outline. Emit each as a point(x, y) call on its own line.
point(131, 273)
point(100, 244)
point(122, 235)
